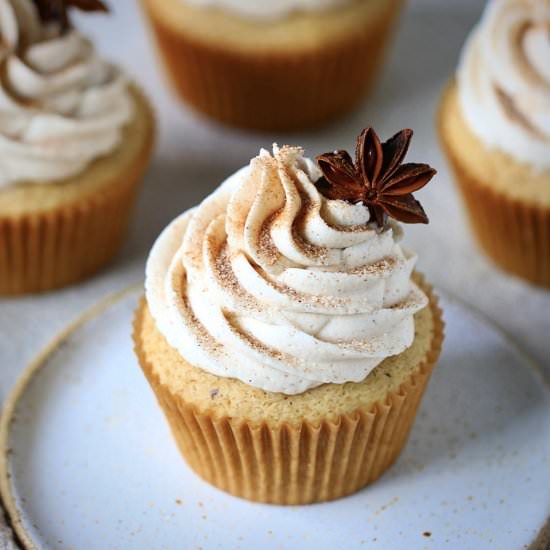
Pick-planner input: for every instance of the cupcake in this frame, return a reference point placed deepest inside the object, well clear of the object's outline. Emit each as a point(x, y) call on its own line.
point(284, 331)
point(75, 138)
point(494, 124)
point(272, 65)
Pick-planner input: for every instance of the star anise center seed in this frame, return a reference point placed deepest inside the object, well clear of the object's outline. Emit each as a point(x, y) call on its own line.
point(378, 178)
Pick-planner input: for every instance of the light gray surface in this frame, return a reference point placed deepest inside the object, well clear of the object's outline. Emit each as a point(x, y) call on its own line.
point(480, 446)
point(194, 155)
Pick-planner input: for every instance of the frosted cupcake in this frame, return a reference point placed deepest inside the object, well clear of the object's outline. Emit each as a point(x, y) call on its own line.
point(75, 139)
point(277, 64)
point(284, 332)
point(494, 124)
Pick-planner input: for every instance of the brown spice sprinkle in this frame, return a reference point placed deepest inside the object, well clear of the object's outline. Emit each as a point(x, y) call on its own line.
point(366, 346)
point(381, 266)
point(514, 113)
point(310, 209)
point(266, 247)
point(204, 338)
point(262, 348)
point(310, 250)
point(307, 209)
point(302, 297)
point(408, 302)
point(225, 274)
point(348, 228)
point(227, 279)
point(267, 250)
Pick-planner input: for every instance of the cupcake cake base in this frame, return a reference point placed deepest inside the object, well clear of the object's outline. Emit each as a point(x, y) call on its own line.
point(269, 447)
point(293, 73)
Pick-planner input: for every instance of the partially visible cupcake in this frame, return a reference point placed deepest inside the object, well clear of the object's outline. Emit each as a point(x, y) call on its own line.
point(75, 138)
point(284, 331)
point(494, 124)
point(272, 65)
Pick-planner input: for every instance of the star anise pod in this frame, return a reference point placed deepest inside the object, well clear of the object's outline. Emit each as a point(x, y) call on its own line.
point(57, 10)
point(378, 178)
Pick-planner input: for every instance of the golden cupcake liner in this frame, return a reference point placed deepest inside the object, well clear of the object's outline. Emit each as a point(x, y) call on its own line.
point(302, 463)
point(46, 250)
point(278, 91)
point(512, 232)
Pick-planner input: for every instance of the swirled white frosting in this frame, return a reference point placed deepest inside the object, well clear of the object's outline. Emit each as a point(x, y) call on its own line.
point(61, 106)
point(271, 283)
point(504, 79)
point(268, 9)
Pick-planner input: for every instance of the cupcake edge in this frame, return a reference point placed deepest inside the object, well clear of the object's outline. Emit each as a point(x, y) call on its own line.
point(296, 463)
point(514, 233)
point(63, 245)
point(223, 83)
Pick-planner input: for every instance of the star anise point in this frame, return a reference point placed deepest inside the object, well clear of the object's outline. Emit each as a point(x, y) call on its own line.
point(378, 178)
point(57, 10)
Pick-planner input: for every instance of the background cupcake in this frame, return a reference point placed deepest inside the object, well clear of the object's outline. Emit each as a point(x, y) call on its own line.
point(284, 332)
point(495, 128)
point(281, 64)
point(75, 138)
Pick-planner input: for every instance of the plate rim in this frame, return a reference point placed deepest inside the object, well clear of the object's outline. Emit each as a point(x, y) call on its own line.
point(7, 496)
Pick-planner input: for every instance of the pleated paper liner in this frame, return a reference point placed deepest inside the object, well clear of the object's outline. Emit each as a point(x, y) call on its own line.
point(57, 247)
point(302, 463)
point(279, 91)
point(515, 234)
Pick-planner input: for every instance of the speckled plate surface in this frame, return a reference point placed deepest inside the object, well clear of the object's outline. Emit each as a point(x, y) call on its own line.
point(88, 462)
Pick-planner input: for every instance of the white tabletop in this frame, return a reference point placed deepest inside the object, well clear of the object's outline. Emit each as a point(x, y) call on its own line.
point(194, 155)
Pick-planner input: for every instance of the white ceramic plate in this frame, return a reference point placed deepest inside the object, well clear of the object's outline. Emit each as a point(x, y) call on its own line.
point(89, 462)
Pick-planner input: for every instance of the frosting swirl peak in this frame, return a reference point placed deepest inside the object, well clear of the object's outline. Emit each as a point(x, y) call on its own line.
point(61, 106)
point(504, 79)
point(269, 282)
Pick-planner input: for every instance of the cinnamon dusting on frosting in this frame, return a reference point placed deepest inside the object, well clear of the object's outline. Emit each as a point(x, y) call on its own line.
point(516, 114)
point(230, 283)
point(202, 336)
point(258, 347)
point(286, 289)
point(314, 252)
point(382, 266)
point(266, 247)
